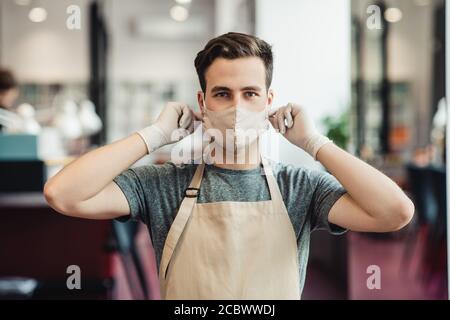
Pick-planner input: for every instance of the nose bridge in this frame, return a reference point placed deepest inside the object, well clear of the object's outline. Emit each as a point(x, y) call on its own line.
point(236, 101)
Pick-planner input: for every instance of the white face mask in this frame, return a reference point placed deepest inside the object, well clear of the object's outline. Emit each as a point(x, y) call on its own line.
point(236, 127)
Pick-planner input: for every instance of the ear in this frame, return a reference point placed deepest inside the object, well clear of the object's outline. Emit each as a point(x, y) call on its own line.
point(270, 97)
point(201, 100)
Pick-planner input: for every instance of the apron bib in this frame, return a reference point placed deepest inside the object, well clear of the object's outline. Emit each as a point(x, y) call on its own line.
point(230, 250)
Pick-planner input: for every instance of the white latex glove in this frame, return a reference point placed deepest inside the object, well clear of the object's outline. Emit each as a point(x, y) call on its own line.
point(175, 122)
point(297, 127)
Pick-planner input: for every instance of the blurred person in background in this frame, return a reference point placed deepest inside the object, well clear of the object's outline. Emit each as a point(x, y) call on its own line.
point(9, 91)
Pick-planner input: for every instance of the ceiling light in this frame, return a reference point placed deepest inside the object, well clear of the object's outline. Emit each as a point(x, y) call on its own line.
point(183, 1)
point(179, 13)
point(37, 14)
point(393, 15)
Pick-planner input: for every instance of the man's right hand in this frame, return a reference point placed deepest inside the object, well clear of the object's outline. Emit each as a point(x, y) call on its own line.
point(175, 122)
point(85, 187)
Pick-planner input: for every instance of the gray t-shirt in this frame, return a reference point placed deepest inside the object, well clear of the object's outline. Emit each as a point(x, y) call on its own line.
point(155, 192)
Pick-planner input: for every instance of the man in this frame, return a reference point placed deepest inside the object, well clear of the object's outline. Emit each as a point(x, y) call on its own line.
point(221, 229)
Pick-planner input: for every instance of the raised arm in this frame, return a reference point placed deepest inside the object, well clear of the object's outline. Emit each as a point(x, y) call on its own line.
point(373, 202)
point(85, 187)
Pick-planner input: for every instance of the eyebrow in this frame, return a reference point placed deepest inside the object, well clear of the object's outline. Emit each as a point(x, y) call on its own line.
point(251, 88)
point(216, 89)
point(248, 88)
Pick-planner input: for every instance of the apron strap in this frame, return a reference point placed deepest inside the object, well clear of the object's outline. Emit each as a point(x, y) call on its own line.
point(181, 218)
point(275, 194)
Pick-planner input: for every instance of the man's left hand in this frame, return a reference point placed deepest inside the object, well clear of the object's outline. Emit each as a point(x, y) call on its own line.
point(294, 123)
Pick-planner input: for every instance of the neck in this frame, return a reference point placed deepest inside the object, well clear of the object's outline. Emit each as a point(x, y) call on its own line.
point(251, 155)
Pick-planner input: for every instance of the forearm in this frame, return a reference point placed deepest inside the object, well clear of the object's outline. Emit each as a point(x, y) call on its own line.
point(89, 174)
point(373, 191)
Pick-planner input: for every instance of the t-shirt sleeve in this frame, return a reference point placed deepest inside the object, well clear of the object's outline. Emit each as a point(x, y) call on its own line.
point(130, 184)
point(153, 191)
point(327, 190)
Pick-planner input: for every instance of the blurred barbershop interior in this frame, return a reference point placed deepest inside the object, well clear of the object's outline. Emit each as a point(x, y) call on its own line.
point(79, 74)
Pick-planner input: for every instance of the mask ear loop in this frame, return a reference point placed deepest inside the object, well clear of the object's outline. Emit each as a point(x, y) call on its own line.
point(268, 107)
point(203, 106)
point(203, 111)
point(211, 138)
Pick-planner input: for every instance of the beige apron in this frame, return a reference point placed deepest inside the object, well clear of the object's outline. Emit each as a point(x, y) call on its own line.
point(230, 250)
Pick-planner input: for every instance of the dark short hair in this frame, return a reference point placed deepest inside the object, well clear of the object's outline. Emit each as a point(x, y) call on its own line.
point(233, 45)
point(7, 80)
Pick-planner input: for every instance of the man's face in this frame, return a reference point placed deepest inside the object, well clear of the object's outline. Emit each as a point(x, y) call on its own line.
point(235, 82)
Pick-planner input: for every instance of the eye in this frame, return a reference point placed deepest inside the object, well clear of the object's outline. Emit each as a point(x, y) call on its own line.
point(221, 94)
point(251, 94)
